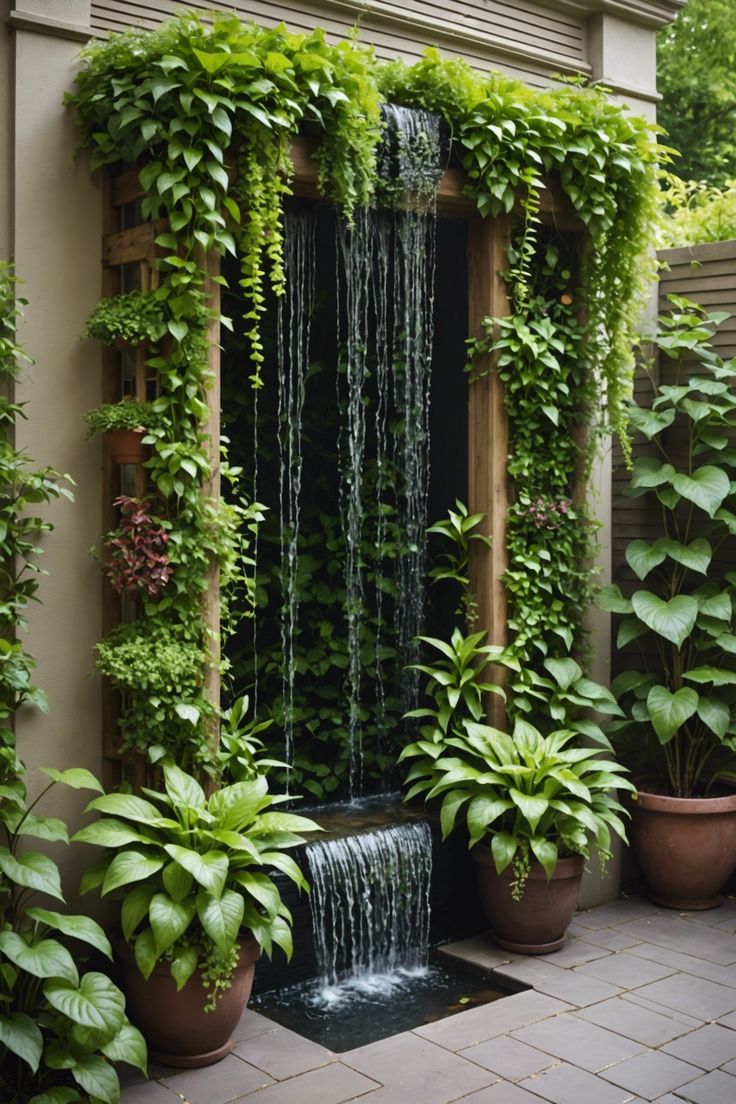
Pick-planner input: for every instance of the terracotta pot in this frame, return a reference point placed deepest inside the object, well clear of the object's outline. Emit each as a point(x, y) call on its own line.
point(686, 847)
point(175, 1025)
point(537, 923)
point(126, 445)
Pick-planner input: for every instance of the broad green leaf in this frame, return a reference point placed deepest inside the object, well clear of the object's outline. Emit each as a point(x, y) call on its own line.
point(612, 600)
point(42, 827)
point(643, 557)
point(146, 955)
point(76, 777)
point(650, 422)
point(674, 620)
point(669, 712)
point(649, 472)
point(717, 675)
point(177, 881)
point(22, 1036)
point(134, 908)
point(183, 966)
point(169, 919)
point(78, 927)
point(717, 605)
point(707, 487)
point(564, 671)
point(182, 788)
point(484, 811)
point(451, 805)
point(696, 555)
point(45, 959)
point(97, 1077)
point(262, 888)
point(209, 870)
point(127, 867)
point(32, 870)
point(715, 714)
point(59, 1095)
point(533, 808)
point(128, 1046)
point(95, 1002)
point(286, 865)
point(545, 852)
point(127, 806)
point(503, 848)
point(221, 919)
point(108, 833)
point(629, 629)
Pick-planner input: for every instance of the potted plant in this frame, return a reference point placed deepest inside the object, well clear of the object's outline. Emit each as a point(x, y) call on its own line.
point(197, 904)
point(679, 732)
point(62, 1029)
point(531, 803)
point(124, 425)
point(127, 321)
point(137, 559)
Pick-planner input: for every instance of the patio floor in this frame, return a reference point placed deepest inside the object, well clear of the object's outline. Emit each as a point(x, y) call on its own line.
point(640, 1005)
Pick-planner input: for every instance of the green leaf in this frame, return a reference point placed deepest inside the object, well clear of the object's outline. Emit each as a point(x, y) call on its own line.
point(134, 908)
point(21, 1035)
point(108, 833)
point(674, 620)
point(643, 557)
point(210, 869)
point(221, 919)
point(564, 671)
point(78, 927)
point(696, 555)
point(532, 808)
point(177, 881)
point(451, 805)
point(716, 675)
point(629, 629)
point(545, 852)
point(128, 1046)
point(169, 919)
point(76, 777)
point(183, 966)
point(483, 811)
point(59, 1095)
point(95, 1002)
point(707, 487)
point(32, 870)
point(44, 959)
point(668, 712)
point(612, 600)
point(97, 1077)
point(716, 715)
point(649, 472)
point(181, 787)
point(127, 806)
point(127, 867)
point(503, 848)
point(146, 955)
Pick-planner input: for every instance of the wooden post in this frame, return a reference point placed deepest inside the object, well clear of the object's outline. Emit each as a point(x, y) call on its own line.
point(488, 440)
point(211, 489)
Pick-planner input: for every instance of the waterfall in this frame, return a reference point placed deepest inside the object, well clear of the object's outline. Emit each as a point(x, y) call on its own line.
point(293, 333)
point(370, 908)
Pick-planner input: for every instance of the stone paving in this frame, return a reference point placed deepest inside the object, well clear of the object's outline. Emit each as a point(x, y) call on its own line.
point(640, 1005)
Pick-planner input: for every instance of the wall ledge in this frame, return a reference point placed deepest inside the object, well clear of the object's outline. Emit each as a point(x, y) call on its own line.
point(54, 28)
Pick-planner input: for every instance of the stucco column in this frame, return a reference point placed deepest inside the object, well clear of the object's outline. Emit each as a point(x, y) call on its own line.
point(51, 225)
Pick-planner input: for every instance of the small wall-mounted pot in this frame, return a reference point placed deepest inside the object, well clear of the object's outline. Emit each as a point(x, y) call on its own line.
point(126, 445)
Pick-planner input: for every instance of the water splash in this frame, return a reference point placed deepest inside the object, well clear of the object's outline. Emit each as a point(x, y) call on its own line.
point(293, 334)
point(370, 909)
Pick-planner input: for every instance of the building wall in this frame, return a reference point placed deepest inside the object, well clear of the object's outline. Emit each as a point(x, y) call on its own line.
point(51, 221)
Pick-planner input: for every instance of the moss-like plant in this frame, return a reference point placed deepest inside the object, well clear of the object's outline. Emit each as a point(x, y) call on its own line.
point(126, 414)
point(133, 318)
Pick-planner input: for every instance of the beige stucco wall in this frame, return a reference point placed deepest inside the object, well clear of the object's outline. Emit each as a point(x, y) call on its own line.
point(50, 224)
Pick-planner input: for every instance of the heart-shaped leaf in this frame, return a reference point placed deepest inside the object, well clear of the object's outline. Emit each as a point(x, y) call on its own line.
point(221, 919)
point(169, 919)
point(45, 959)
point(127, 867)
point(96, 1002)
point(674, 620)
point(97, 1077)
point(643, 557)
point(612, 600)
point(78, 927)
point(32, 870)
point(209, 869)
point(128, 1046)
point(649, 472)
point(715, 714)
point(668, 712)
point(707, 487)
point(716, 675)
point(23, 1037)
point(696, 555)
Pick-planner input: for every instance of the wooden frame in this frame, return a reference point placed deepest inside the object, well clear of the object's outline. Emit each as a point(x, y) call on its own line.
point(487, 420)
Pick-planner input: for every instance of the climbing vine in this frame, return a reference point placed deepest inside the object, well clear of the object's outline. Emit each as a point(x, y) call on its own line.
point(206, 113)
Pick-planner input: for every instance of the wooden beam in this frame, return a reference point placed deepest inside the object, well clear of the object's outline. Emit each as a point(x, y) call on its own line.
point(130, 246)
point(488, 440)
point(211, 488)
point(555, 207)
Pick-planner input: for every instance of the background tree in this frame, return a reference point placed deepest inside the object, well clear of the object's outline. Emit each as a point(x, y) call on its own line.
point(697, 80)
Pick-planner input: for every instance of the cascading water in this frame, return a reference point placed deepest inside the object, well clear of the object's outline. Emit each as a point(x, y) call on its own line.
point(370, 908)
point(293, 332)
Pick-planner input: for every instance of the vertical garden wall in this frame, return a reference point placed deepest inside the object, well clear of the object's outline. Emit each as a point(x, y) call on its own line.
point(207, 130)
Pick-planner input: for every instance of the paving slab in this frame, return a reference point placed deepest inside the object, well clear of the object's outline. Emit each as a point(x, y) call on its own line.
point(626, 970)
point(229, 1079)
point(634, 995)
point(414, 1069)
point(714, 1088)
point(283, 1053)
point(333, 1084)
point(148, 1092)
point(636, 1021)
point(612, 939)
point(565, 1084)
point(479, 1024)
point(681, 935)
point(705, 999)
point(687, 963)
point(708, 1047)
point(510, 1058)
point(616, 912)
point(555, 981)
point(251, 1024)
point(651, 1074)
point(582, 1044)
point(480, 951)
point(575, 952)
point(500, 1093)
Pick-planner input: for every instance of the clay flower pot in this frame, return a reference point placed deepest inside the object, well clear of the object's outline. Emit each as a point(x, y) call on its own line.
point(175, 1025)
point(537, 923)
point(126, 445)
point(686, 847)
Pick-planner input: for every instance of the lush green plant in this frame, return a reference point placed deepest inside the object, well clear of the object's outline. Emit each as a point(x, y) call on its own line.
point(240, 756)
point(192, 872)
point(133, 318)
point(459, 527)
point(697, 212)
point(696, 79)
point(60, 1031)
point(126, 414)
point(679, 735)
point(533, 796)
